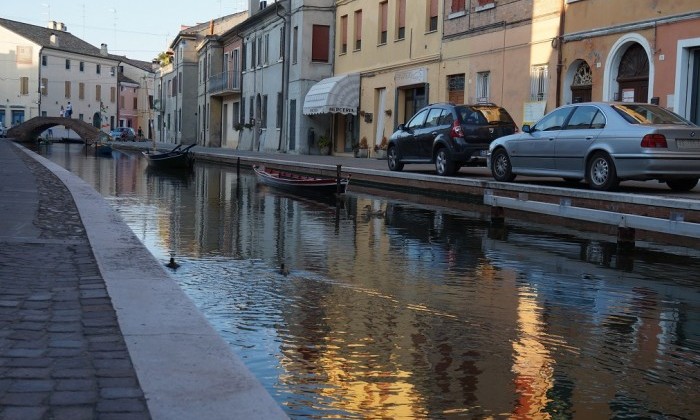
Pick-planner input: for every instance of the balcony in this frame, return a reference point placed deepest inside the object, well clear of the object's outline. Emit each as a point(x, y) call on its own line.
point(224, 83)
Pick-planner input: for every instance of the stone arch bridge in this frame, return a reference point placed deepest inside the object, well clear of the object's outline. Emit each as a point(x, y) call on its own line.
point(29, 130)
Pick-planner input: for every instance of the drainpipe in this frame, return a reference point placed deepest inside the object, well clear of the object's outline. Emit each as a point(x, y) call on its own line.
point(283, 144)
point(560, 38)
point(41, 52)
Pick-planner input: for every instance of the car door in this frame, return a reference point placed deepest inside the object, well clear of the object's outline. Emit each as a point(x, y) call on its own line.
point(573, 142)
point(431, 129)
point(535, 151)
point(408, 144)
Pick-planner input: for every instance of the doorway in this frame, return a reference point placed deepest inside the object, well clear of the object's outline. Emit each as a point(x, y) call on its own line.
point(633, 75)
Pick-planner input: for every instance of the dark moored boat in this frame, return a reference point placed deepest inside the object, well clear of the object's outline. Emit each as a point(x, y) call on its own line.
point(299, 183)
point(174, 159)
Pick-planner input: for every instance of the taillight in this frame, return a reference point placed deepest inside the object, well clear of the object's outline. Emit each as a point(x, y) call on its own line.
point(456, 130)
point(654, 141)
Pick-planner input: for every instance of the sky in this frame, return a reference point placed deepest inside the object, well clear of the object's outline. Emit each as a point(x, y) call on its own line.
point(138, 29)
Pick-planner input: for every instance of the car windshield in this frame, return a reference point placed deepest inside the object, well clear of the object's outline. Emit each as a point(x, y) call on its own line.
point(648, 114)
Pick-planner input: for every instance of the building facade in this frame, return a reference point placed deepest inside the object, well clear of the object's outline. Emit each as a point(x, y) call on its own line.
point(646, 53)
point(47, 68)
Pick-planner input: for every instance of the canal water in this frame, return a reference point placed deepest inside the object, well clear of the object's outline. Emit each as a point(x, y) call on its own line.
point(393, 309)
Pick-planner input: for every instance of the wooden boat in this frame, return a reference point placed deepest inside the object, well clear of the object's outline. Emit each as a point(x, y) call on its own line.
point(300, 183)
point(174, 159)
point(103, 149)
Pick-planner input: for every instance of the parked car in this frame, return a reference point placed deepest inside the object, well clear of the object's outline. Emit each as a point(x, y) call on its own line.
point(123, 134)
point(3, 130)
point(603, 144)
point(448, 135)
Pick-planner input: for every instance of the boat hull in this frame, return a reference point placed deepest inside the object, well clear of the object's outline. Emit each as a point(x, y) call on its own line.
point(300, 183)
point(175, 159)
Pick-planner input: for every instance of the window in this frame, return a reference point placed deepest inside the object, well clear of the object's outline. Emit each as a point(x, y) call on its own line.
point(236, 110)
point(458, 6)
point(320, 43)
point(485, 4)
point(179, 82)
point(483, 86)
point(81, 90)
point(344, 34)
point(455, 88)
point(112, 71)
point(539, 79)
point(267, 48)
point(24, 55)
point(295, 37)
point(136, 103)
point(253, 50)
point(584, 117)
point(281, 43)
point(67, 64)
point(383, 17)
point(82, 66)
point(252, 108)
point(98, 92)
point(98, 69)
point(263, 112)
point(280, 103)
point(67, 89)
point(24, 85)
point(242, 116)
point(43, 60)
point(260, 51)
point(400, 19)
point(44, 86)
point(433, 15)
point(121, 102)
point(553, 121)
point(112, 94)
point(358, 30)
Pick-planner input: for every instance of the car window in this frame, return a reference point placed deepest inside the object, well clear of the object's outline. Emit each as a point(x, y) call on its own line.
point(583, 118)
point(417, 120)
point(470, 116)
point(494, 115)
point(648, 114)
point(446, 118)
point(553, 121)
point(433, 119)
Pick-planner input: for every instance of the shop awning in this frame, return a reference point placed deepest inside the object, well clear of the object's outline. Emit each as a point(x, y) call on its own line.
point(334, 95)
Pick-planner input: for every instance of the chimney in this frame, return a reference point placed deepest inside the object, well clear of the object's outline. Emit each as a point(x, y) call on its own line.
point(211, 27)
point(62, 27)
point(53, 39)
point(103, 49)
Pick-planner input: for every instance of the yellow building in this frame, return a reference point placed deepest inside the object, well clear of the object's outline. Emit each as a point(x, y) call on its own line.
point(396, 51)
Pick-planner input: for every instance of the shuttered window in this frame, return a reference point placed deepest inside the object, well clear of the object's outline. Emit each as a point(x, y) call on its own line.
point(81, 90)
point(44, 87)
point(320, 43)
point(383, 17)
point(67, 89)
point(457, 5)
point(433, 13)
point(401, 19)
point(98, 93)
point(455, 86)
point(344, 34)
point(24, 85)
point(358, 30)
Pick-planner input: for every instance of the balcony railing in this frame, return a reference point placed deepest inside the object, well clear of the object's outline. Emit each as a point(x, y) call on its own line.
point(224, 82)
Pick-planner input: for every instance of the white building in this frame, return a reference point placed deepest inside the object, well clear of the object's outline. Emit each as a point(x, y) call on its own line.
point(45, 68)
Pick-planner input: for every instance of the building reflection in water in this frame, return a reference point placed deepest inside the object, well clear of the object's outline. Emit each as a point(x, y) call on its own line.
point(418, 311)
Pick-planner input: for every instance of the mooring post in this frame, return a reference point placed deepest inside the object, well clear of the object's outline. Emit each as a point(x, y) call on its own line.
point(337, 178)
point(625, 238)
point(497, 216)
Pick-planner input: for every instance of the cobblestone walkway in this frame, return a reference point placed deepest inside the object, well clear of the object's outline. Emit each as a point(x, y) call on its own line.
point(62, 354)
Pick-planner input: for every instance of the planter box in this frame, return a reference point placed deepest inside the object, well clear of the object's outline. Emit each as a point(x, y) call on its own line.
point(380, 154)
point(361, 153)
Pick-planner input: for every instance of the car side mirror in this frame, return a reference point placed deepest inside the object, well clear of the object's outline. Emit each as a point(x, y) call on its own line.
point(526, 128)
point(401, 127)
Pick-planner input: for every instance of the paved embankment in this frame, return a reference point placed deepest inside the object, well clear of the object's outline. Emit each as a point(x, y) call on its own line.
point(91, 325)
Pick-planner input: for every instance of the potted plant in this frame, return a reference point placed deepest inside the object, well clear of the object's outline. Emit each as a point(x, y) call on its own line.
point(324, 145)
point(361, 150)
point(380, 149)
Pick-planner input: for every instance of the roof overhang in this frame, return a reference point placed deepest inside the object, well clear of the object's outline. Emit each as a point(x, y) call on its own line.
point(334, 95)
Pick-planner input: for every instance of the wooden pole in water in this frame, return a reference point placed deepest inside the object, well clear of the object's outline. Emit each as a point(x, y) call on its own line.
point(337, 178)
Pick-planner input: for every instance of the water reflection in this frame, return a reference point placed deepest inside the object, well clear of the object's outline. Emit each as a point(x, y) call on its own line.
point(407, 311)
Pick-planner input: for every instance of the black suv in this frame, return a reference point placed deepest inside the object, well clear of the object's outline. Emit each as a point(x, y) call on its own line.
point(449, 135)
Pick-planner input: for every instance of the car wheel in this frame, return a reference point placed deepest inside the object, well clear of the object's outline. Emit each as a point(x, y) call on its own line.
point(601, 174)
point(444, 166)
point(501, 168)
point(682, 184)
point(392, 159)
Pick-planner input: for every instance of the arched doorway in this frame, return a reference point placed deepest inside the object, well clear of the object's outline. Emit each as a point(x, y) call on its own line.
point(97, 120)
point(633, 75)
point(582, 83)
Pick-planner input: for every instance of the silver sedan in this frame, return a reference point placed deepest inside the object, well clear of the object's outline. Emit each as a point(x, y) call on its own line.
point(603, 144)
